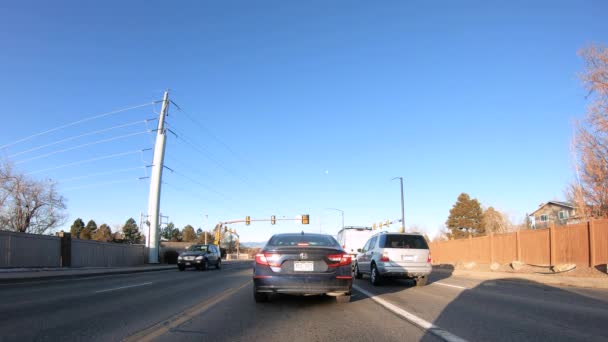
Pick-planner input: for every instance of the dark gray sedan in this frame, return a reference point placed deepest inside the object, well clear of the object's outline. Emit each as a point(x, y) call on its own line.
point(200, 257)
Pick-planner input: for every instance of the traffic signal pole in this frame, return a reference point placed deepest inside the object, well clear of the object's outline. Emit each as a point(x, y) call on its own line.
point(155, 183)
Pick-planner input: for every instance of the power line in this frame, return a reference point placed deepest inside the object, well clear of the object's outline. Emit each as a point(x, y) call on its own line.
point(100, 174)
point(85, 161)
point(80, 136)
point(196, 195)
point(98, 116)
point(80, 146)
point(201, 184)
point(209, 156)
point(210, 133)
point(100, 184)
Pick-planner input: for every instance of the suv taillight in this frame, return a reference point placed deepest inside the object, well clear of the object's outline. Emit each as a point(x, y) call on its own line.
point(268, 259)
point(339, 260)
point(428, 259)
point(384, 257)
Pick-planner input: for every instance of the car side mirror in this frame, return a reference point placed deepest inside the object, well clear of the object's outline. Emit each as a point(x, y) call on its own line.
point(359, 250)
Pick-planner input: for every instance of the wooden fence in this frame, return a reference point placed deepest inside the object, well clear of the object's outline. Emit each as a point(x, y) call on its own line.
point(583, 244)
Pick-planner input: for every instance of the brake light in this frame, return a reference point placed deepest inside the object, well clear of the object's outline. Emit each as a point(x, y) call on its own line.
point(268, 259)
point(428, 259)
point(339, 260)
point(303, 243)
point(260, 259)
point(384, 257)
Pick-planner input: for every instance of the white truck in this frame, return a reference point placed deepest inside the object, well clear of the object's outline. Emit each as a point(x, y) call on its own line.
point(352, 238)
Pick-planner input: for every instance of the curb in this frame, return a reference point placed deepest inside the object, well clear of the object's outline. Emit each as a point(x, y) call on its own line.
point(98, 273)
point(82, 275)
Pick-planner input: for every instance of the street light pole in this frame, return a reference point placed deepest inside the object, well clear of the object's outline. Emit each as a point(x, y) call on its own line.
point(341, 212)
point(402, 228)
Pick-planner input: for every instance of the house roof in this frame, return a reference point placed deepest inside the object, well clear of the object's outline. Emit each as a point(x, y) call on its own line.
point(557, 203)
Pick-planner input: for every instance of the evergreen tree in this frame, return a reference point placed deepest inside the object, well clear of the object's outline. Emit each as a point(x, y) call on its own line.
point(465, 218)
point(91, 225)
point(167, 231)
point(131, 232)
point(188, 234)
point(76, 228)
point(103, 233)
point(176, 235)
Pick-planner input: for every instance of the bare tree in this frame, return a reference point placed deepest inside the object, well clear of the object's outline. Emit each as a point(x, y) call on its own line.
point(496, 222)
point(590, 191)
point(27, 205)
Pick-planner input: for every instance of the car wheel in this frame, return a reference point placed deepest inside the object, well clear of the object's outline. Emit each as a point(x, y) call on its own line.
point(218, 266)
point(260, 297)
point(358, 274)
point(421, 281)
point(343, 299)
point(374, 276)
point(204, 265)
point(181, 268)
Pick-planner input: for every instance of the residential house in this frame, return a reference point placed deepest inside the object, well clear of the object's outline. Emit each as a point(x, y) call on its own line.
point(559, 213)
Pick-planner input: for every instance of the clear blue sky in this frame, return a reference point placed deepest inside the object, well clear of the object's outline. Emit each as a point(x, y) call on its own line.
point(320, 102)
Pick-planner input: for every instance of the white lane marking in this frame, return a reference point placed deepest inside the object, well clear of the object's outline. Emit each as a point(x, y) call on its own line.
point(450, 285)
point(425, 325)
point(123, 287)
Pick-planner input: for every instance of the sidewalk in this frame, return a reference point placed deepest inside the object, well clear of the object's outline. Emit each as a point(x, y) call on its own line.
point(548, 279)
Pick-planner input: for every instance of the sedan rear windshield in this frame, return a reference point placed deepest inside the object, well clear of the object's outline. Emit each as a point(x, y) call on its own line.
point(303, 240)
point(403, 241)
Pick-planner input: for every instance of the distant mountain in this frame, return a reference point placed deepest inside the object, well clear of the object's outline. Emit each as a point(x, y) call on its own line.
point(253, 244)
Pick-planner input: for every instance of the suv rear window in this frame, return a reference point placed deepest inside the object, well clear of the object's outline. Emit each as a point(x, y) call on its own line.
point(403, 241)
point(303, 240)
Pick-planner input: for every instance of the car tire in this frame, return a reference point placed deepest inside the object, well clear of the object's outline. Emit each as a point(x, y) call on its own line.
point(218, 266)
point(204, 265)
point(421, 281)
point(343, 299)
point(374, 276)
point(358, 275)
point(260, 297)
point(181, 268)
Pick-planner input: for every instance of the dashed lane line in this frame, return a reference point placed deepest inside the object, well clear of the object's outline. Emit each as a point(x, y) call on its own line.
point(123, 287)
point(450, 285)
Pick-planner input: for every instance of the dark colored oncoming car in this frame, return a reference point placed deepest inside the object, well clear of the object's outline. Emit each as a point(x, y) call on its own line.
point(302, 264)
point(200, 257)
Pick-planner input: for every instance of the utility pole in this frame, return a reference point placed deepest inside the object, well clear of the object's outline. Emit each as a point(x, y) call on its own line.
point(402, 228)
point(155, 183)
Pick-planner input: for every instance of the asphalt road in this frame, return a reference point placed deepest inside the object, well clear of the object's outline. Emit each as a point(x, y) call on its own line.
point(218, 306)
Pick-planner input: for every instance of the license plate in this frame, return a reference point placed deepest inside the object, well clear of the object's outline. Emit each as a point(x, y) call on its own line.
point(187, 264)
point(303, 266)
point(408, 258)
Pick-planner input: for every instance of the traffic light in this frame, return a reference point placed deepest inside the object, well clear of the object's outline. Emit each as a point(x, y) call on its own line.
point(305, 219)
point(247, 220)
point(273, 219)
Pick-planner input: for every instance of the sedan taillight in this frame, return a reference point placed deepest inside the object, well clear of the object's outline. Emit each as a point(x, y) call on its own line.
point(339, 260)
point(268, 259)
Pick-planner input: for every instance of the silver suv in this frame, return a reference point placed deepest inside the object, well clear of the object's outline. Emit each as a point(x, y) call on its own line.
point(394, 255)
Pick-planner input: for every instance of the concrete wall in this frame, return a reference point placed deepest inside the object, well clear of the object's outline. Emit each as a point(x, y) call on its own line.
point(87, 253)
point(29, 250)
point(584, 244)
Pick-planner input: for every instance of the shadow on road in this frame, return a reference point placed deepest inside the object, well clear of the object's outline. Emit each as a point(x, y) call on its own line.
point(513, 309)
point(394, 285)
